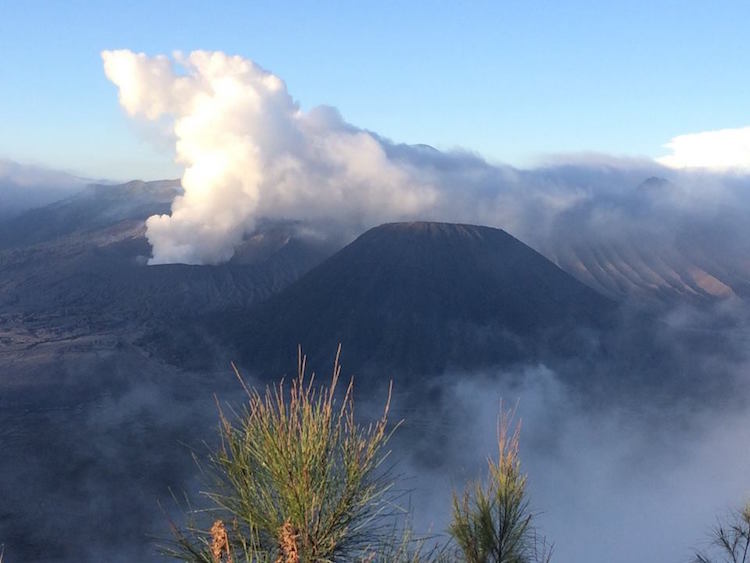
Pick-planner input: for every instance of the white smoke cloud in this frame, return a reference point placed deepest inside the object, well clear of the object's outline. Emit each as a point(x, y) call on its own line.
point(724, 149)
point(250, 152)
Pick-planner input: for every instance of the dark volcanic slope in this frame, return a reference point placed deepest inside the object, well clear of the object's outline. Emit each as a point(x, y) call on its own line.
point(422, 297)
point(95, 207)
point(76, 270)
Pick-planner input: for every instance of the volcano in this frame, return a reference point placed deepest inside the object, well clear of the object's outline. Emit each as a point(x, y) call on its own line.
point(422, 298)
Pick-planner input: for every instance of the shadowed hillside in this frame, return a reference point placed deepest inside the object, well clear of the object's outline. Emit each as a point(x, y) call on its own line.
point(424, 297)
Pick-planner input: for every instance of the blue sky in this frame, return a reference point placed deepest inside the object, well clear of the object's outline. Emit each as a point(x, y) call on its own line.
point(513, 81)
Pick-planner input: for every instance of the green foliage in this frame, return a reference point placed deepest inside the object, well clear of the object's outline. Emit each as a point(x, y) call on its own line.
point(295, 479)
point(730, 540)
point(491, 521)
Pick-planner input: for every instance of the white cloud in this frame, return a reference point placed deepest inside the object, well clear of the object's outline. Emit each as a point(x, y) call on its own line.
point(724, 149)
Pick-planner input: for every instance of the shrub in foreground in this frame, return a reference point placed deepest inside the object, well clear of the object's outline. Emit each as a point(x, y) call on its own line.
point(296, 478)
point(492, 522)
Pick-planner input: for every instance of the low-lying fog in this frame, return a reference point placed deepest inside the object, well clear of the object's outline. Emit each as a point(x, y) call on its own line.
point(617, 474)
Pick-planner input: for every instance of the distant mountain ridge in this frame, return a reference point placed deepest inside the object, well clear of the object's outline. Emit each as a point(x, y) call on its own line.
point(95, 207)
point(25, 186)
point(678, 263)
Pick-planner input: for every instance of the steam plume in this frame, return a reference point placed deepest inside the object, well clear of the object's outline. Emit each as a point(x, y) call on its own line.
point(250, 152)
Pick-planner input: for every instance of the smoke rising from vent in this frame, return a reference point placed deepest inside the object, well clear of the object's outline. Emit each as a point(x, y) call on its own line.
point(250, 152)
